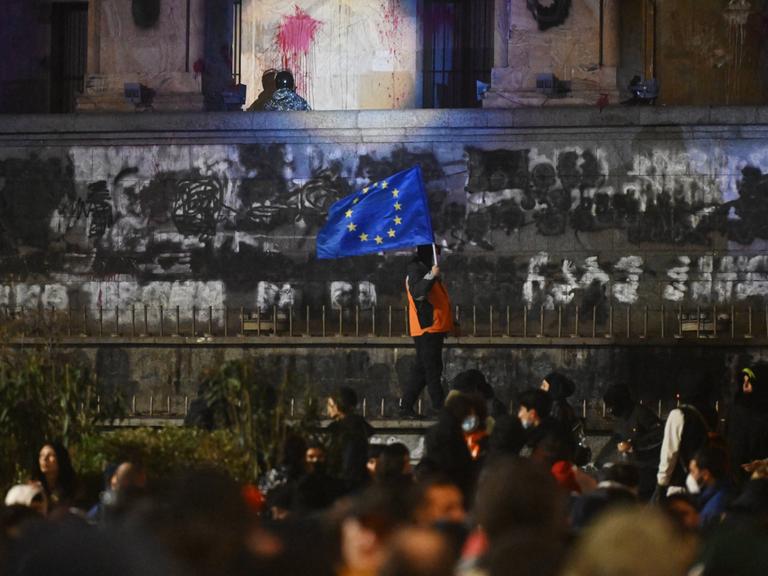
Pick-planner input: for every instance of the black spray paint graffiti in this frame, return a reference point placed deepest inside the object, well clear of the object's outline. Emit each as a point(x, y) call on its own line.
point(504, 194)
point(196, 206)
point(97, 207)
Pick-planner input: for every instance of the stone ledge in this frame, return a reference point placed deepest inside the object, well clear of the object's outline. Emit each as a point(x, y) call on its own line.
point(372, 121)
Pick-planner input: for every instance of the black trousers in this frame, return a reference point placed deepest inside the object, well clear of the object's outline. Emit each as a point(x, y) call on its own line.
point(427, 371)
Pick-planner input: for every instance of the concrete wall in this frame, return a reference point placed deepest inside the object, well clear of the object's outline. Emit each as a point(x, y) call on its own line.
point(631, 206)
point(344, 55)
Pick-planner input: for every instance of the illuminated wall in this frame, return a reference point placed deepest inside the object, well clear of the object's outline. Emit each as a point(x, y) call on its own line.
point(345, 54)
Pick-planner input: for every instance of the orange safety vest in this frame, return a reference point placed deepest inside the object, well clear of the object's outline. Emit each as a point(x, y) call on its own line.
point(441, 311)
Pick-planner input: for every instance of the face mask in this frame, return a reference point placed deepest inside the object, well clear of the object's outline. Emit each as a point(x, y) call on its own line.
point(692, 485)
point(526, 424)
point(469, 423)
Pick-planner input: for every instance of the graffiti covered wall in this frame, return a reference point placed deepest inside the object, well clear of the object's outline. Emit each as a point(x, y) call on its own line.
point(546, 216)
point(344, 55)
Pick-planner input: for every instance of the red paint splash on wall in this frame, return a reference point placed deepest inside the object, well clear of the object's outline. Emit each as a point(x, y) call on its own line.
point(391, 35)
point(294, 38)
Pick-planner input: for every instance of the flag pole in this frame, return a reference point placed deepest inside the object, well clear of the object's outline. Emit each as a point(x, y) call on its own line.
point(434, 253)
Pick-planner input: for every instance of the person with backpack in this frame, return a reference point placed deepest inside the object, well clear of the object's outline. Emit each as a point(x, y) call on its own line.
point(687, 430)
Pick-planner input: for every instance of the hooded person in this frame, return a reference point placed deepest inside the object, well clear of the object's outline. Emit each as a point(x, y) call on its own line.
point(430, 320)
point(748, 423)
point(560, 388)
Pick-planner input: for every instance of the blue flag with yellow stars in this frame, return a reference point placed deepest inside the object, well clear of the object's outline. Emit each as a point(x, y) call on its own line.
point(386, 215)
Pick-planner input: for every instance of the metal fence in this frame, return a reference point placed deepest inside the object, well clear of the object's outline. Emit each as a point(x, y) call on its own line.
point(596, 323)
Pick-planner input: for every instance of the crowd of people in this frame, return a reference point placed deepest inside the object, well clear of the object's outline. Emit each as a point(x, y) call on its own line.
point(496, 492)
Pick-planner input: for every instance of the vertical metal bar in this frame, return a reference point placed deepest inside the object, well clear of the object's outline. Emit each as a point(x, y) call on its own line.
point(645, 322)
point(584, 408)
point(509, 328)
point(365, 406)
point(242, 322)
point(373, 320)
point(457, 314)
point(733, 322)
point(162, 321)
point(151, 404)
point(258, 321)
point(390, 322)
point(594, 321)
point(610, 322)
point(210, 320)
point(679, 321)
point(714, 320)
point(24, 321)
point(663, 320)
point(323, 321)
point(382, 408)
point(474, 320)
point(69, 319)
point(629, 321)
point(274, 320)
point(186, 405)
point(525, 321)
point(290, 321)
point(541, 320)
point(659, 412)
point(101, 321)
point(133, 320)
point(133, 404)
point(406, 313)
point(341, 321)
point(698, 321)
point(357, 324)
point(178, 320)
point(749, 323)
point(194, 321)
point(490, 320)
point(560, 321)
point(146, 320)
point(53, 316)
point(117, 320)
point(226, 321)
point(309, 332)
point(168, 403)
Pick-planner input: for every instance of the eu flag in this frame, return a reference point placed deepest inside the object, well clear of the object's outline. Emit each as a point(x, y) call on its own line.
point(385, 215)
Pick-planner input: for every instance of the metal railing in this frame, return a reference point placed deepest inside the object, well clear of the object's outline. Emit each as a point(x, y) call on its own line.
point(596, 323)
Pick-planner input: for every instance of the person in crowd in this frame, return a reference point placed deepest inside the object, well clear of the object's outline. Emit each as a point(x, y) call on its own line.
point(430, 320)
point(348, 434)
point(637, 437)
point(414, 551)
point(686, 430)
point(374, 517)
point(710, 476)
point(474, 427)
point(317, 490)
point(446, 448)
point(122, 482)
point(56, 475)
point(507, 436)
point(534, 407)
point(437, 499)
point(631, 542)
point(560, 388)
point(473, 381)
point(284, 98)
point(617, 486)
point(747, 432)
point(290, 466)
point(393, 466)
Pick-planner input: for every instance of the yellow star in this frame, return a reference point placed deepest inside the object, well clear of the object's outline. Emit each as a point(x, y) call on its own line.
point(398, 220)
point(397, 206)
point(365, 190)
point(356, 200)
point(379, 240)
point(348, 213)
point(384, 185)
point(391, 233)
point(375, 184)
point(352, 227)
point(395, 193)
point(363, 237)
